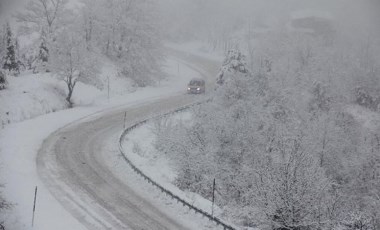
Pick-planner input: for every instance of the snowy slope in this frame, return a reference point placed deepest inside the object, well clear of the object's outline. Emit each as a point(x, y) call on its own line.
point(30, 95)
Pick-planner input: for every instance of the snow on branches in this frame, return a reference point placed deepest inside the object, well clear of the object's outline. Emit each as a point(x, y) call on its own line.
point(71, 61)
point(233, 63)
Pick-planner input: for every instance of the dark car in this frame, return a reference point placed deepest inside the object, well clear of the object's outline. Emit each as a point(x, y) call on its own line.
point(196, 86)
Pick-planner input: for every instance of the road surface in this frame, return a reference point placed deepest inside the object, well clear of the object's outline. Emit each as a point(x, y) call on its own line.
point(71, 164)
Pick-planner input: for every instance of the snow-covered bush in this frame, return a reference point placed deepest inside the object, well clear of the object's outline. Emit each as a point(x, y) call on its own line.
point(355, 220)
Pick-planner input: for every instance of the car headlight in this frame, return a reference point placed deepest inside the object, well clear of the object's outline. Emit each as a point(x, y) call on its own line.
point(188, 88)
point(198, 88)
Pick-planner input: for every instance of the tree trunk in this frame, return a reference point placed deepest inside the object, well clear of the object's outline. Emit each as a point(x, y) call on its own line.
point(70, 87)
point(68, 98)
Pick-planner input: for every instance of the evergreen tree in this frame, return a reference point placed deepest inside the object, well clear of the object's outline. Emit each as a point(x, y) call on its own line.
point(19, 58)
point(232, 64)
point(43, 54)
point(10, 62)
point(42, 58)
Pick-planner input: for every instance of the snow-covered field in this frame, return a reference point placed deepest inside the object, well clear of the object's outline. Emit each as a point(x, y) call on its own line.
point(20, 142)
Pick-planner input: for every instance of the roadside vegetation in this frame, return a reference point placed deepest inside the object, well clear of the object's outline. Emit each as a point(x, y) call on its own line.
point(282, 138)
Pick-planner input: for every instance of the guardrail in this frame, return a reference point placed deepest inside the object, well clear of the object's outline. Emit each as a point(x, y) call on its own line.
point(214, 219)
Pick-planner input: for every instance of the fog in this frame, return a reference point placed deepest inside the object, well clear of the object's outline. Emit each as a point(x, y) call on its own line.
point(187, 19)
point(9, 6)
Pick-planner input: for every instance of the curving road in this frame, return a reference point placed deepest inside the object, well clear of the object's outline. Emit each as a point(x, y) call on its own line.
point(71, 164)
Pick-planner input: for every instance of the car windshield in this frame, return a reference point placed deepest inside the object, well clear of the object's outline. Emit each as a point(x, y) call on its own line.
point(195, 83)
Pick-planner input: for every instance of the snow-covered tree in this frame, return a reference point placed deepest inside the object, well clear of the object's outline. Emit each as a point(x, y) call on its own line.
point(41, 60)
point(46, 18)
point(42, 16)
point(289, 188)
point(71, 61)
point(233, 63)
point(10, 62)
point(127, 31)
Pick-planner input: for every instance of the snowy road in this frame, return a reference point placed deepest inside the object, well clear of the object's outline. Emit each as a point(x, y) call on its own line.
point(71, 163)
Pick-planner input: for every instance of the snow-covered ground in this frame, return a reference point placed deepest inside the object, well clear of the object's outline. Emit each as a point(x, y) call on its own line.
point(30, 95)
point(20, 142)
